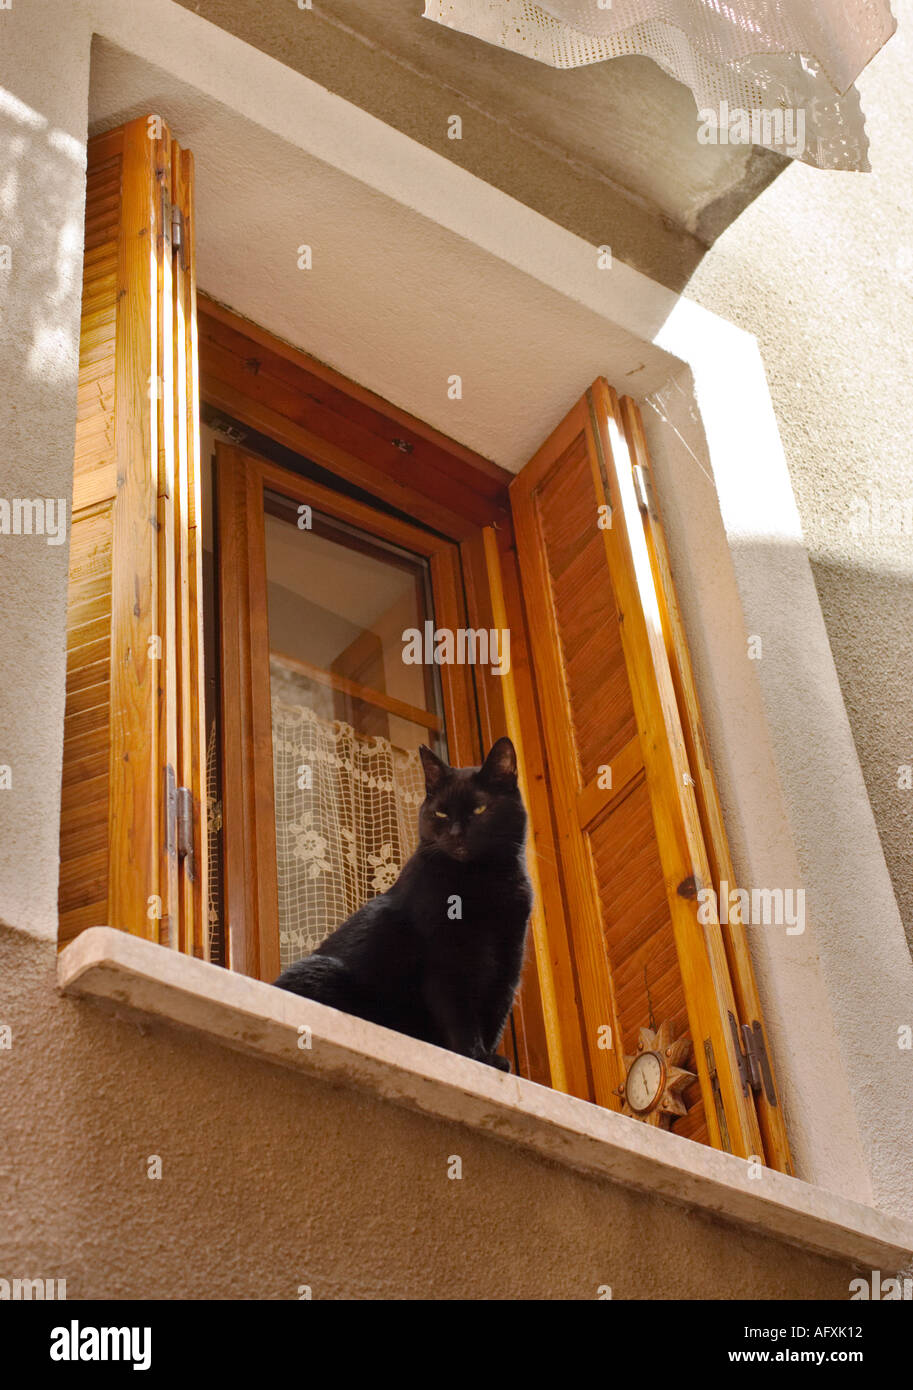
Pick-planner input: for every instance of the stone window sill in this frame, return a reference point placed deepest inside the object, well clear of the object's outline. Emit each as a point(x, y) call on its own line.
point(132, 975)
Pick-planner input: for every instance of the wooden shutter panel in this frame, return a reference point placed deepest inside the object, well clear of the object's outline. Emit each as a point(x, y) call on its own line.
point(631, 842)
point(192, 742)
point(544, 1024)
point(745, 990)
point(132, 726)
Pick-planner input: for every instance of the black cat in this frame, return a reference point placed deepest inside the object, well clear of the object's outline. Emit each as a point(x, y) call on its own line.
point(438, 956)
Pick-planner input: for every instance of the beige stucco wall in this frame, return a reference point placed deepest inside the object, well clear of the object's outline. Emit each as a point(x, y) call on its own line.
point(42, 183)
point(820, 269)
point(271, 1180)
point(578, 145)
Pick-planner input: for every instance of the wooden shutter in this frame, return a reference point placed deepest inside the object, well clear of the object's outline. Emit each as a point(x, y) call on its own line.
point(738, 956)
point(631, 841)
point(133, 725)
point(545, 1022)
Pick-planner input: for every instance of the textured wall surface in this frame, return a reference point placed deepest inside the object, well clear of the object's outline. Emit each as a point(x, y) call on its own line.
point(42, 182)
point(270, 1181)
point(820, 269)
point(577, 145)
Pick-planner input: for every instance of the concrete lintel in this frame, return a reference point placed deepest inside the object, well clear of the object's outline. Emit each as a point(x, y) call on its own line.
point(126, 972)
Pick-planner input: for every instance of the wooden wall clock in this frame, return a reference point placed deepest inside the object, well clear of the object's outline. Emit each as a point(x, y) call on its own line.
point(655, 1078)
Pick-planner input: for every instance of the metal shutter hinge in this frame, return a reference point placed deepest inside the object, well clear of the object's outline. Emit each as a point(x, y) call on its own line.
point(753, 1062)
point(717, 1096)
point(177, 233)
point(174, 226)
point(640, 487)
point(179, 822)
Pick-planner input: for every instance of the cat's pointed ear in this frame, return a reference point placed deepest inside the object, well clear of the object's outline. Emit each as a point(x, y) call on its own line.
point(436, 771)
point(499, 770)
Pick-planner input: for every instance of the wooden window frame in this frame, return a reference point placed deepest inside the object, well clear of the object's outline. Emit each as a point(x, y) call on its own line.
point(248, 803)
point(310, 408)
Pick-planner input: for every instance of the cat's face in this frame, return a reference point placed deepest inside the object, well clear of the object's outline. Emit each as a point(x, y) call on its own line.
point(473, 813)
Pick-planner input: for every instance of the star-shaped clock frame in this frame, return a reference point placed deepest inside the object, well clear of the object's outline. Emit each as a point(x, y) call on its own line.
point(667, 1104)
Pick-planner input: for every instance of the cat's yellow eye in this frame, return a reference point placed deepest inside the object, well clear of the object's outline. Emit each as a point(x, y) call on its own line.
point(441, 815)
point(479, 809)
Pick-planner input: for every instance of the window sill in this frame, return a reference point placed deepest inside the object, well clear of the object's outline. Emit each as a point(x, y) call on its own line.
point(130, 974)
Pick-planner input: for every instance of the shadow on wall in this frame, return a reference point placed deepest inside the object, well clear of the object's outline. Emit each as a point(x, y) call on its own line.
point(867, 610)
point(40, 170)
point(608, 150)
point(876, 656)
point(42, 182)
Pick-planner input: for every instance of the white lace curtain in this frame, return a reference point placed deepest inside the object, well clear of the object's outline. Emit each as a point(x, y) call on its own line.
point(753, 55)
point(346, 815)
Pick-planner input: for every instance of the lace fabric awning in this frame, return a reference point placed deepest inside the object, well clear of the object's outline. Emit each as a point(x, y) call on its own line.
point(738, 58)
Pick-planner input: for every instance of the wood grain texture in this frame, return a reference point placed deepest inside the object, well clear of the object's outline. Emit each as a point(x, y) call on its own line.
point(137, 778)
point(630, 838)
point(83, 890)
point(586, 625)
point(558, 984)
point(638, 930)
point(250, 885)
point(110, 840)
point(251, 894)
point(537, 1056)
point(547, 548)
point(167, 666)
point(193, 907)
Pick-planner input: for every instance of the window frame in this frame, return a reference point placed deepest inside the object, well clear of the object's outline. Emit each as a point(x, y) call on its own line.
point(248, 805)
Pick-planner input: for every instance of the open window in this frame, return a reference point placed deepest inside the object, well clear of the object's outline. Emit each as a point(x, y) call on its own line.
point(339, 524)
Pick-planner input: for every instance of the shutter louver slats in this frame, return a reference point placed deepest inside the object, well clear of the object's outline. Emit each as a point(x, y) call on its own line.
point(631, 840)
point(124, 608)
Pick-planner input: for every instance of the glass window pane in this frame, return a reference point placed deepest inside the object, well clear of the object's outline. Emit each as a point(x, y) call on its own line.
point(348, 716)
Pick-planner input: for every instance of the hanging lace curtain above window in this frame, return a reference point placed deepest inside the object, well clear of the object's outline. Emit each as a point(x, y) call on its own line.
point(741, 58)
point(346, 815)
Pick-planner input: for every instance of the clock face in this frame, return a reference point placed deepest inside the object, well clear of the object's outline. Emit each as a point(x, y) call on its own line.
point(646, 1082)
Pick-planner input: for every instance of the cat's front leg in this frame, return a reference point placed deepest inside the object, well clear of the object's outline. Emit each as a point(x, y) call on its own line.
point(456, 1029)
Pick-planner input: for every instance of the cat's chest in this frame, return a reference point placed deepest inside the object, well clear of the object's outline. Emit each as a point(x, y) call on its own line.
point(486, 904)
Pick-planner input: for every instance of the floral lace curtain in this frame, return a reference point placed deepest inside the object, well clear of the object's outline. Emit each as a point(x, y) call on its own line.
point(753, 55)
point(346, 815)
